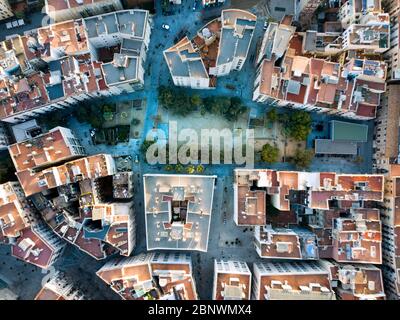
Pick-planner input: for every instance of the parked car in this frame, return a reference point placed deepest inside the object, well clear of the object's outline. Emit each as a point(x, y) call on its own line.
point(265, 25)
point(165, 26)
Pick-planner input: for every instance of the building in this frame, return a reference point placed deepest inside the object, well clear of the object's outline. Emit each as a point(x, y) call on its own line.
point(325, 215)
point(76, 9)
point(178, 211)
point(98, 229)
point(393, 8)
point(82, 208)
point(356, 282)
point(151, 276)
point(345, 138)
point(232, 280)
point(59, 287)
point(83, 211)
point(352, 11)
point(318, 85)
point(45, 150)
point(284, 243)
point(348, 235)
point(221, 46)
point(123, 185)
point(91, 167)
point(276, 39)
point(385, 144)
point(26, 130)
point(207, 3)
point(30, 241)
point(337, 70)
point(249, 201)
point(89, 204)
point(126, 34)
point(5, 10)
point(72, 61)
point(306, 9)
point(372, 34)
point(291, 281)
point(57, 72)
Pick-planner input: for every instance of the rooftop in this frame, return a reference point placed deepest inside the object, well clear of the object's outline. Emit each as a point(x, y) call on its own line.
point(353, 87)
point(44, 150)
point(293, 281)
point(217, 43)
point(65, 38)
point(357, 282)
point(73, 171)
point(178, 211)
point(347, 131)
point(358, 237)
point(313, 189)
point(131, 23)
point(279, 243)
point(232, 280)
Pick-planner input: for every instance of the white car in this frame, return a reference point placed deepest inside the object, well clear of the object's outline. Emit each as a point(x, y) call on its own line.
point(165, 26)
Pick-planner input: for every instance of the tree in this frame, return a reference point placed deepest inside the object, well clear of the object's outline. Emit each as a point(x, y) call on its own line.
point(302, 158)
point(269, 153)
point(7, 170)
point(196, 100)
point(299, 125)
point(178, 167)
point(272, 115)
point(190, 169)
point(230, 108)
point(90, 113)
point(176, 102)
point(165, 96)
point(217, 105)
point(200, 168)
point(182, 105)
point(236, 109)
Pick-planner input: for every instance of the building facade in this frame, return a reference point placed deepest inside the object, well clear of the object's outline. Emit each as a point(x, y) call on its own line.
point(75, 9)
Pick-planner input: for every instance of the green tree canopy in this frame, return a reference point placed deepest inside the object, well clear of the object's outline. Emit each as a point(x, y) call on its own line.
point(230, 108)
point(145, 145)
point(165, 96)
point(272, 115)
point(299, 125)
point(269, 153)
